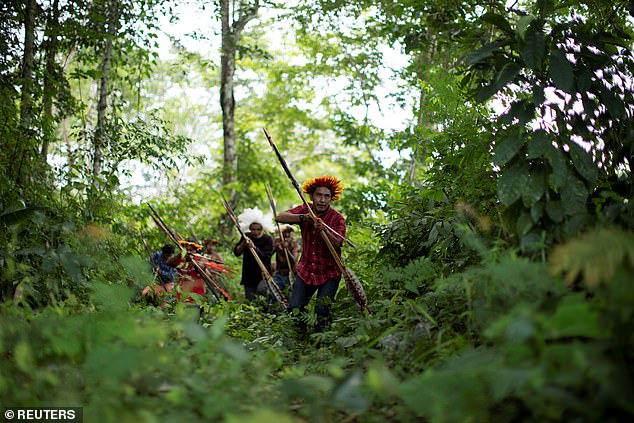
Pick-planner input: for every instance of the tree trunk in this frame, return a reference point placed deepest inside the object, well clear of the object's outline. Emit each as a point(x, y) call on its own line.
point(230, 38)
point(22, 149)
point(50, 78)
point(100, 129)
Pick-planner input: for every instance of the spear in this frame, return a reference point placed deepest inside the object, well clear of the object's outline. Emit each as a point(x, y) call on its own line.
point(352, 282)
point(287, 254)
point(271, 285)
point(216, 290)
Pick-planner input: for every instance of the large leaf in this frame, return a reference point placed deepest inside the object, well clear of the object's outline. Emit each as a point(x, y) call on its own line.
point(499, 21)
point(614, 104)
point(485, 93)
point(557, 161)
point(482, 53)
point(524, 223)
point(574, 195)
point(534, 188)
point(523, 24)
point(555, 210)
point(538, 144)
point(532, 51)
point(12, 216)
point(574, 317)
point(512, 181)
point(507, 74)
point(561, 71)
point(507, 149)
point(583, 163)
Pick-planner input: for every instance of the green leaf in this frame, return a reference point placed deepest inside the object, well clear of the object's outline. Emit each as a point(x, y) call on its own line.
point(511, 182)
point(555, 210)
point(499, 21)
point(534, 188)
point(523, 24)
point(583, 163)
point(538, 144)
point(485, 93)
point(524, 223)
point(506, 150)
point(614, 104)
point(574, 195)
point(574, 317)
point(559, 167)
point(453, 392)
point(584, 81)
point(537, 211)
point(533, 50)
point(561, 71)
point(507, 74)
point(482, 53)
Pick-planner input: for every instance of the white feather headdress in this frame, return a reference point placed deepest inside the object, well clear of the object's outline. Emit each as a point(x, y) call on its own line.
point(255, 215)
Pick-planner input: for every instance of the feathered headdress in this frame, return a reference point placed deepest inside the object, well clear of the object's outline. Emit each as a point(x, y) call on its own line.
point(330, 182)
point(190, 242)
point(255, 215)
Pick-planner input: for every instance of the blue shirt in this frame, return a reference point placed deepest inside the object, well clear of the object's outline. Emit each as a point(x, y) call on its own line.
point(165, 272)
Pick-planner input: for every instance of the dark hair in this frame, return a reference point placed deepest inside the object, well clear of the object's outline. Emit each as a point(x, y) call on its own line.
point(168, 249)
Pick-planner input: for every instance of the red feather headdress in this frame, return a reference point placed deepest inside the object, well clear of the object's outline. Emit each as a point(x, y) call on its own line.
point(330, 182)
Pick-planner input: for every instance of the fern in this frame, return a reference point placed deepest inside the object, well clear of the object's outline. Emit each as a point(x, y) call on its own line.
point(593, 257)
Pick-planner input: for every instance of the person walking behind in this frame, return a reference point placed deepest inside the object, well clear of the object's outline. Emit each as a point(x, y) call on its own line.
point(281, 268)
point(254, 223)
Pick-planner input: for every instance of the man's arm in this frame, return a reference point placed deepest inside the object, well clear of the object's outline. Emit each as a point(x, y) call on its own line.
point(288, 217)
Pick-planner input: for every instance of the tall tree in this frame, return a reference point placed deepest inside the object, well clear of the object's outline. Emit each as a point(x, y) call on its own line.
point(234, 17)
point(51, 77)
point(26, 105)
point(112, 18)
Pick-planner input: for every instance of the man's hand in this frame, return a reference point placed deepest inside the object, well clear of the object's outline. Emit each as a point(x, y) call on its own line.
point(319, 224)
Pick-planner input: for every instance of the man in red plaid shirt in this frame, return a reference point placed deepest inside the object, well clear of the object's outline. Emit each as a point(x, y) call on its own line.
point(317, 270)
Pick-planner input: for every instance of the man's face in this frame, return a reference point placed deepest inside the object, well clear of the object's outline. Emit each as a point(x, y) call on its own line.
point(321, 199)
point(287, 234)
point(256, 230)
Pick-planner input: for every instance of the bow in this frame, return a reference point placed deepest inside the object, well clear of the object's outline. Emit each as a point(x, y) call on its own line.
point(352, 281)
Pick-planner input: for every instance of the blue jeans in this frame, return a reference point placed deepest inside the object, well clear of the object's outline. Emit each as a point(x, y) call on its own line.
point(302, 293)
point(282, 281)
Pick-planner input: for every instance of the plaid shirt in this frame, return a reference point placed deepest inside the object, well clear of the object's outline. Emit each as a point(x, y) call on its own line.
point(316, 266)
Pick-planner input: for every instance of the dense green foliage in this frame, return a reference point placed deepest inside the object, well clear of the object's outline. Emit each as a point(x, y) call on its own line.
point(497, 250)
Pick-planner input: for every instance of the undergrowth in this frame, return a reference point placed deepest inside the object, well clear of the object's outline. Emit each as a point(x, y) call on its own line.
point(506, 340)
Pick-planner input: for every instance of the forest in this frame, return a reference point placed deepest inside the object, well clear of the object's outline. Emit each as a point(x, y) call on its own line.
point(485, 148)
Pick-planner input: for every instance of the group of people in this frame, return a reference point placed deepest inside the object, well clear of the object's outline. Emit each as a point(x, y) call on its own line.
point(174, 270)
point(316, 270)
